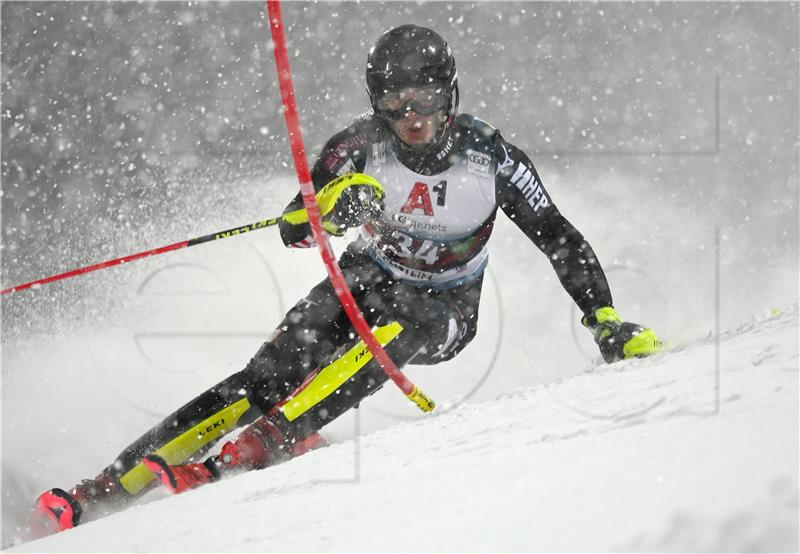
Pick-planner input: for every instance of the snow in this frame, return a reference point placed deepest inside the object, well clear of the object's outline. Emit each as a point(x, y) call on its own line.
point(631, 456)
point(653, 126)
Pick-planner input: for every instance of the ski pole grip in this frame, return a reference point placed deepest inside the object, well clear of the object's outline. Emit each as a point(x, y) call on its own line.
point(421, 399)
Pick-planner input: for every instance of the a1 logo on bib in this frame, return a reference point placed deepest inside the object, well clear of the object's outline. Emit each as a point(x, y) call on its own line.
point(420, 198)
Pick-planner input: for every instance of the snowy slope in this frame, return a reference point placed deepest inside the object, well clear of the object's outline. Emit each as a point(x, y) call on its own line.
point(633, 456)
point(653, 127)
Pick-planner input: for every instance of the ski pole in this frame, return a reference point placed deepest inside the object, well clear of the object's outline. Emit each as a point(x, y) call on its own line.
point(312, 208)
point(154, 252)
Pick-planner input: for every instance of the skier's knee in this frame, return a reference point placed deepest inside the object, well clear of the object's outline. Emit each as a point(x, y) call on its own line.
point(460, 334)
point(446, 337)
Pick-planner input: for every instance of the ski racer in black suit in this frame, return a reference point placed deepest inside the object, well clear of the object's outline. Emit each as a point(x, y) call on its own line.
point(424, 184)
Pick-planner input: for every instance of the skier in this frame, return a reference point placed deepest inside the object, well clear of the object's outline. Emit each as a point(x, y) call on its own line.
point(424, 184)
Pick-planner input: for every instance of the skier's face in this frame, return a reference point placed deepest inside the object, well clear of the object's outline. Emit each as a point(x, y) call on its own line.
point(415, 113)
point(417, 130)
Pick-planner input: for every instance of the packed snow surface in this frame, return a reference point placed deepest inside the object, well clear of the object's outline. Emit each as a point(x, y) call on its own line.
point(659, 454)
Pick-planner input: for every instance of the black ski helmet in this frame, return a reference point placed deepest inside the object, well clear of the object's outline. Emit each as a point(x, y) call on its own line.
point(410, 55)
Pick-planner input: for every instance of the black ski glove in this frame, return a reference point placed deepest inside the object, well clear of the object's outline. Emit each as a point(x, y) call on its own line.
point(617, 339)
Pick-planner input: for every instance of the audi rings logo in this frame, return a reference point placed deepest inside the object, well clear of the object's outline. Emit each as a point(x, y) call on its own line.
point(479, 159)
point(478, 163)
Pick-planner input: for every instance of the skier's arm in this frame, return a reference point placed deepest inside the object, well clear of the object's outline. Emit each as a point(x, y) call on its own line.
point(522, 197)
point(343, 153)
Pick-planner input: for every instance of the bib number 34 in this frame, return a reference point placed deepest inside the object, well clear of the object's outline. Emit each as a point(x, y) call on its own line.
point(406, 247)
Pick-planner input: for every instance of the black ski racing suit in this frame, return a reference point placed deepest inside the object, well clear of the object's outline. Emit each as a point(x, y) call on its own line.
point(420, 263)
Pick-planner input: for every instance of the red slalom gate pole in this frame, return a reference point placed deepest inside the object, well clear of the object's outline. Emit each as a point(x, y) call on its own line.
point(315, 219)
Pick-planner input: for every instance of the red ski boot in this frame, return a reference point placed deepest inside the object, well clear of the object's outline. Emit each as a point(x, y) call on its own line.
point(264, 444)
point(260, 445)
point(181, 478)
point(57, 510)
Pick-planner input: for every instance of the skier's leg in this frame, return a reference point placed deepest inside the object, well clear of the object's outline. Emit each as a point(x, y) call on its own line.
point(436, 325)
point(292, 430)
point(310, 332)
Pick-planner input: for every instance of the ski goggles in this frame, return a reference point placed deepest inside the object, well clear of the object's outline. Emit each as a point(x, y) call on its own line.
point(421, 100)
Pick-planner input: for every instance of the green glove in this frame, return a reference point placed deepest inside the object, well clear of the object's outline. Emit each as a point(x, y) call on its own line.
point(620, 340)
